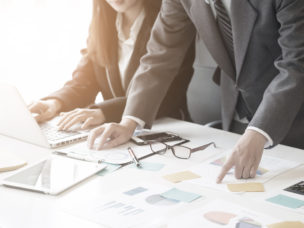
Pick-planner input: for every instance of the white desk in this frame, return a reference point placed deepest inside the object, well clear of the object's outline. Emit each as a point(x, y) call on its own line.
point(20, 208)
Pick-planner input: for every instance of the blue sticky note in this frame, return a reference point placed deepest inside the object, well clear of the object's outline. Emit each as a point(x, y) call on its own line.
point(109, 169)
point(179, 195)
point(150, 166)
point(286, 201)
point(135, 191)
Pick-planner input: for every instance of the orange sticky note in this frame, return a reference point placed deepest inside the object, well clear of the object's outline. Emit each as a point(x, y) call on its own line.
point(246, 187)
point(289, 224)
point(181, 176)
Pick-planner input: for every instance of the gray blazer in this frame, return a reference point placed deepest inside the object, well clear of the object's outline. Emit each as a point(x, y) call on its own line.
point(269, 54)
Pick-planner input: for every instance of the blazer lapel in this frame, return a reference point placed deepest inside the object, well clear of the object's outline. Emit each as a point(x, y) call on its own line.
point(113, 77)
point(243, 17)
point(139, 51)
point(207, 28)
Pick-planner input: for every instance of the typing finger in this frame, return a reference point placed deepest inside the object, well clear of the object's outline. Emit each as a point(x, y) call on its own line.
point(93, 135)
point(73, 121)
point(64, 116)
point(87, 123)
point(225, 169)
point(66, 120)
point(39, 118)
point(43, 116)
point(35, 108)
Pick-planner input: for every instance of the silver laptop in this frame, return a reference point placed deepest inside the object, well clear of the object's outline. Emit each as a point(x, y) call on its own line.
point(17, 121)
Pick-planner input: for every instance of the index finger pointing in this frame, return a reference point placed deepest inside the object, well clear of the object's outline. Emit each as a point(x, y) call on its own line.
point(225, 169)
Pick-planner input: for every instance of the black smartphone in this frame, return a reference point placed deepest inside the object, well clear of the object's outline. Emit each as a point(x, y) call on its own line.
point(146, 138)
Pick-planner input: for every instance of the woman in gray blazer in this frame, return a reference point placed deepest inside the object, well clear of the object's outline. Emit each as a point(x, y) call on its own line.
point(117, 40)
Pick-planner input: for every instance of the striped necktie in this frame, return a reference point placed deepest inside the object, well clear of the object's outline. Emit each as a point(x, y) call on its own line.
point(224, 24)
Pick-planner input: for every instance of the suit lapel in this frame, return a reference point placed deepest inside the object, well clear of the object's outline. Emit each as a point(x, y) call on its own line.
point(206, 26)
point(243, 17)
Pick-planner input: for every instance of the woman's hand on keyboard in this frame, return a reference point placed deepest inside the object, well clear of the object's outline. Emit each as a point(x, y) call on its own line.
point(44, 110)
point(86, 117)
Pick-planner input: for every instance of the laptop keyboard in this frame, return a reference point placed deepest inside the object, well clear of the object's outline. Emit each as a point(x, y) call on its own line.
point(52, 133)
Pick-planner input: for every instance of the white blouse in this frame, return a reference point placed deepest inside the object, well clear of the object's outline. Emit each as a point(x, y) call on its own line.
point(126, 44)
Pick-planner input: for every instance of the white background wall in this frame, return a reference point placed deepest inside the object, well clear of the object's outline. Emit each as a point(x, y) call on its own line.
point(40, 42)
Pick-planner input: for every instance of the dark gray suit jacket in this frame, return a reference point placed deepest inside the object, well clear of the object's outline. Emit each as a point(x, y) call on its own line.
point(269, 54)
point(90, 78)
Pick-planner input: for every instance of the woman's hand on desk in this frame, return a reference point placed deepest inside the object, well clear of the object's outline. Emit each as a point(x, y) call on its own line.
point(111, 134)
point(86, 117)
point(45, 109)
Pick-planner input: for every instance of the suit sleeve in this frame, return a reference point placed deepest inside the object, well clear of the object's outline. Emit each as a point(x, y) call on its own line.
point(170, 39)
point(284, 96)
point(81, 90)
point(112, 108)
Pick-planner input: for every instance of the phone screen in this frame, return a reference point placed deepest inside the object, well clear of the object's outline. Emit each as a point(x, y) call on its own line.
point(161, 135)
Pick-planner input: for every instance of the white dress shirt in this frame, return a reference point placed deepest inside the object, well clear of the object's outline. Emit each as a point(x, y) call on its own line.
point(227, 4)
point(126, 44)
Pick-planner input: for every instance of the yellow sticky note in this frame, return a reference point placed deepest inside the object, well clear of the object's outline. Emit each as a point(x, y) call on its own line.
point(181, 176)
point(287, 224)
point(246, 187)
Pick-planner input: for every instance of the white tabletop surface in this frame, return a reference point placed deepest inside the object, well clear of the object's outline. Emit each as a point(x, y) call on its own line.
point(20, 208)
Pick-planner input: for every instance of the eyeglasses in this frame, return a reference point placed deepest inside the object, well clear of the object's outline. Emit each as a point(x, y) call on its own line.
point(178, 150)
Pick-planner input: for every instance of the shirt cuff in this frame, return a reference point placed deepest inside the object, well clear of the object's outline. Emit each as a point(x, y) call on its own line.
point(269, 142)
point(140, 123)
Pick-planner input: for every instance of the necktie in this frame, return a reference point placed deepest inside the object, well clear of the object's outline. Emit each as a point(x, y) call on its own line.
point(224, 24)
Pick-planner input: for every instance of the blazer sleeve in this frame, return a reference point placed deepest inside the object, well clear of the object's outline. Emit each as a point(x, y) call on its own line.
point(81, 90)
point(171, 37)
point(284, 96)
point(112, 108)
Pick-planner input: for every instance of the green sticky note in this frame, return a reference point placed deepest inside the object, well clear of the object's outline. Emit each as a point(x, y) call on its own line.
point(150, 166)
point(286, 201)
point(109, 169)
point(179, 195)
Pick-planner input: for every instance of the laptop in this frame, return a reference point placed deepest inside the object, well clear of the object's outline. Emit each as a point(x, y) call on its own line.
point(17, 121)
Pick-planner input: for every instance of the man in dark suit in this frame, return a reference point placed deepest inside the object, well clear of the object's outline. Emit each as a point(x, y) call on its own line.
point(259, 48)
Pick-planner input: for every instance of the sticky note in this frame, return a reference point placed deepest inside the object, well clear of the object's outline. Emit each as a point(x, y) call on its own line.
point(179, 195)
point(109, 169)
point(286, 201)
point(181, 176)
point(246, 187)
point(220, 217)
point(135, 191)
point(150, 166)
point(288, 224)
